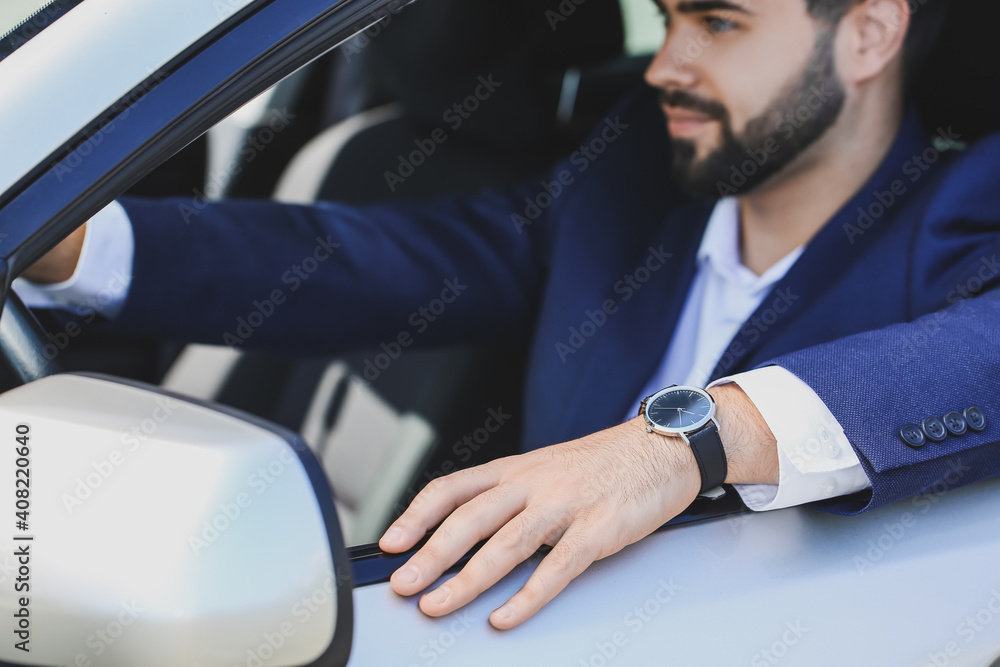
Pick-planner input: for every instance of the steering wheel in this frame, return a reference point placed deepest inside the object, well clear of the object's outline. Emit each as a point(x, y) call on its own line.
point(22, 342)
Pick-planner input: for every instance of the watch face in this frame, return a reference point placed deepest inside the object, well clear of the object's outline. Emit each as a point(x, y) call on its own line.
point(680, 409)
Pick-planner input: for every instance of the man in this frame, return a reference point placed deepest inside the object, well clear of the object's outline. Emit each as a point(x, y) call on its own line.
point(839, 220)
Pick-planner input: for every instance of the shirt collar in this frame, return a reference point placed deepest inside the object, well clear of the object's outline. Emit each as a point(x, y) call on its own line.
point(720, 248)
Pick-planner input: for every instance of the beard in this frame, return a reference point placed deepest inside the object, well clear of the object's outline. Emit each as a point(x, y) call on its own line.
point(771, 141)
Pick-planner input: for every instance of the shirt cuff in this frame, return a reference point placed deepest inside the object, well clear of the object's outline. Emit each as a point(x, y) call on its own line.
point(816, 460)
point(103, 273)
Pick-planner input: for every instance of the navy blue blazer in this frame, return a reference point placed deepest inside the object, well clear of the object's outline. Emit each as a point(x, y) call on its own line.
point(890, 314)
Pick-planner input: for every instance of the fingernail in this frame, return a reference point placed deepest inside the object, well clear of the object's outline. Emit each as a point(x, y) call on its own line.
point(393, 534)
point(505, 611)
point(408, 574)
point(439, 595)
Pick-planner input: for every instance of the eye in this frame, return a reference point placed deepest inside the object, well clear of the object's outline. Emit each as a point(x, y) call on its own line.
point(718, 25)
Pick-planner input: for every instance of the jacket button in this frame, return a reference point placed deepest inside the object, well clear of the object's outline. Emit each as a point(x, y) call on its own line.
point(934, 429)
point(913, 436)
point(975, 418)
point(955, 423)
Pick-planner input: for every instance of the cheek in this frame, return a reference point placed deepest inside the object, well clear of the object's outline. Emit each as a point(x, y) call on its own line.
point(749, 78)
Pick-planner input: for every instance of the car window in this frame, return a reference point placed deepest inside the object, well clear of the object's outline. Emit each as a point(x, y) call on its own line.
point(643, 27)
point(384, 416)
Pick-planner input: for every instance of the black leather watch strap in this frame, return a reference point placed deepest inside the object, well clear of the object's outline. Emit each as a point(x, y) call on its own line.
point(710, 455)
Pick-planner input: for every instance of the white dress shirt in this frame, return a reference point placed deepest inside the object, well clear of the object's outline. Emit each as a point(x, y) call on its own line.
point(816, 461)
point(103, 273)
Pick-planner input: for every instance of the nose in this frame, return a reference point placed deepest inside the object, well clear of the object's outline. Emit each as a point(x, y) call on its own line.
point(671, 66)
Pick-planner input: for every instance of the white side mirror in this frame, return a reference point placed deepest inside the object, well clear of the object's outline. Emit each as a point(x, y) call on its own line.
point(141, 528)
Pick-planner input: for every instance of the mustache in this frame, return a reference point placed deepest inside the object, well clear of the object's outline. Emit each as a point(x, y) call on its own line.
point(681, 99)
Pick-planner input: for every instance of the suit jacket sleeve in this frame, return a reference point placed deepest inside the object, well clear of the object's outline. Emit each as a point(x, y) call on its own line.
point(319, 279)
point(878, 381)
point(945, 358)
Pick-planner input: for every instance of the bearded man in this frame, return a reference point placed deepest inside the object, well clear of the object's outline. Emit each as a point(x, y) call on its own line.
point(789, 237)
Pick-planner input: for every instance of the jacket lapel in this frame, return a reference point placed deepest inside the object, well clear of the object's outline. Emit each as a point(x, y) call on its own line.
point(638, 334)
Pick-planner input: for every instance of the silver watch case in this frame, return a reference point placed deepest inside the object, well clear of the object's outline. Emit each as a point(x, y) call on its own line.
point(653, 427)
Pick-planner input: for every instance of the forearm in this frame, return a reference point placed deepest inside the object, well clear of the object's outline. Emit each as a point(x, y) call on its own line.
point(59, 264)
point(751, 448)
point(325, 278)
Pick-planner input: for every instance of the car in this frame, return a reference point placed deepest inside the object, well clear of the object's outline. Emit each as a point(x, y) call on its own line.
point(104, 97)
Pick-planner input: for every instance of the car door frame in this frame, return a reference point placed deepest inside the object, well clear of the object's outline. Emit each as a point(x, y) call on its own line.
point(246, 54)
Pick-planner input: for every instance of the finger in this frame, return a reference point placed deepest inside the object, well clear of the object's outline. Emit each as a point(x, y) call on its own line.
point(472, 522)
point(513, 543)
point(434, 502)
point(572, 555)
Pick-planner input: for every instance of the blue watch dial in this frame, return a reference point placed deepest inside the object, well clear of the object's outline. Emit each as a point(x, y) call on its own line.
point(679, 409)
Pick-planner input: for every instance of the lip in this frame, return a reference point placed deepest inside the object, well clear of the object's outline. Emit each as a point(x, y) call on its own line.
point(682, 122)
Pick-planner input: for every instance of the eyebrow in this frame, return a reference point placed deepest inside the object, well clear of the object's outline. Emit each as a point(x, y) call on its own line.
point(697, 6)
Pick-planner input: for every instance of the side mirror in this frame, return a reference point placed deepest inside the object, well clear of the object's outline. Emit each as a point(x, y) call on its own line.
point(142, 528)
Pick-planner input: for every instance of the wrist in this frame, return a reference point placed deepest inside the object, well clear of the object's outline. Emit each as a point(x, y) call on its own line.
point(751, 448)
point(674, 456)
point(60, 263)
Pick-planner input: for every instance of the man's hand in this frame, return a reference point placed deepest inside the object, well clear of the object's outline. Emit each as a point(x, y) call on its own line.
point(587, 498)
point(60, 262)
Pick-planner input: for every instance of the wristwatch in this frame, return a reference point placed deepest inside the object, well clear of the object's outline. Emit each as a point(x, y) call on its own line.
point(689, 412)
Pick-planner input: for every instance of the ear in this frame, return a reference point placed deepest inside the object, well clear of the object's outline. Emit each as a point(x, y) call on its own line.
point(873, 32)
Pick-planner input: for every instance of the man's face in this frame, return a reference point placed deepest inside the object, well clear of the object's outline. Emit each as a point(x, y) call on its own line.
point(747, 87)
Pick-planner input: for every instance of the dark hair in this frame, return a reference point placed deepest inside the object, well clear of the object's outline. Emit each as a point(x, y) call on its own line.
point(926, 18)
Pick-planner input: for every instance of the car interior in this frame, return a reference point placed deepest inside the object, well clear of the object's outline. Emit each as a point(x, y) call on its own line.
point(345, 120)
point(329, 132)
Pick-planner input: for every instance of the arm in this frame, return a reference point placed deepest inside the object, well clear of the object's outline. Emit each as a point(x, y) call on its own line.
point(587, 498)
point(878, 381)
point(89, 272)
point(593, 496)
point(313, 278)
point(326, 277)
